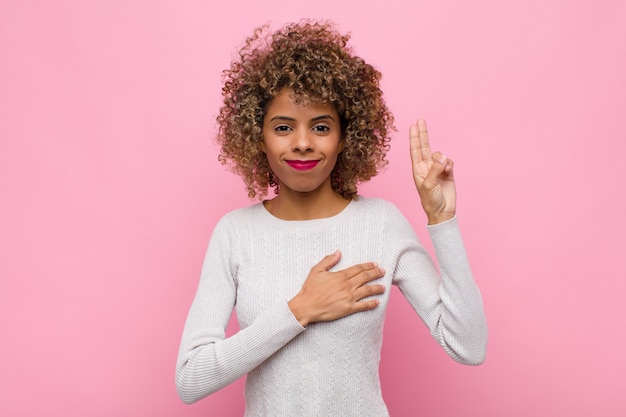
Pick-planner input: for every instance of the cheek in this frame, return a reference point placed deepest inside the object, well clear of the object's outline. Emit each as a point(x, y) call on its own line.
point(271, 161)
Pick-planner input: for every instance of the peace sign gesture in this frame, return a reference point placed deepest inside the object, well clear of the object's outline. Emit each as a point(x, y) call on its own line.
point(433, 176)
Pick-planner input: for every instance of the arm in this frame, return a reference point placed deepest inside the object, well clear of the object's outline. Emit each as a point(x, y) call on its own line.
point(450, 305)
point(207, 361)
point(463, 325)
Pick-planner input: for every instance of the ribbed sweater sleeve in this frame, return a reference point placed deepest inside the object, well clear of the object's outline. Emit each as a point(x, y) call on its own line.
point(207, 361)
point(448, 301)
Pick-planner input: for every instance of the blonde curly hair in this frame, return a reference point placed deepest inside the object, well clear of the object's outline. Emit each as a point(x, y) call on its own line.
point(313, 61)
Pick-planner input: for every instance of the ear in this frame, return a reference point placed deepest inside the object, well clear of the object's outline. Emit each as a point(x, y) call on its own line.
point(262, 146)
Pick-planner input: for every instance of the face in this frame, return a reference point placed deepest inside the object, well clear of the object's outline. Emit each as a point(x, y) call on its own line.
point(301, 143)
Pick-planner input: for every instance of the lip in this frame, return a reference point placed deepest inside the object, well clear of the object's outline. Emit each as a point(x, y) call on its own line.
point(302, 165)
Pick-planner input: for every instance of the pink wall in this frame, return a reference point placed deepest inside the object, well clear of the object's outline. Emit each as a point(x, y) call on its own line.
point(110, 188)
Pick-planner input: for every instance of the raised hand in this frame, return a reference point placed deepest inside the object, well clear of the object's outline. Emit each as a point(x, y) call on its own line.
point(327, 296)
point(433, 176)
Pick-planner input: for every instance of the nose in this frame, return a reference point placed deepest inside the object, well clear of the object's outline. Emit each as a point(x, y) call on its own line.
point(302, 141)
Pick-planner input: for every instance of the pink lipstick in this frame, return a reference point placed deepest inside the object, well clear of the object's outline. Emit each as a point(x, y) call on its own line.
point(302, 165)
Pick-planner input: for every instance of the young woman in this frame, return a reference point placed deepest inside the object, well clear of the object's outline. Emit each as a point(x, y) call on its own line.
point(309, 270)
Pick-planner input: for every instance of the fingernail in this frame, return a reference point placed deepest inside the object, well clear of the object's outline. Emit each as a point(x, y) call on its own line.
point(442, 159)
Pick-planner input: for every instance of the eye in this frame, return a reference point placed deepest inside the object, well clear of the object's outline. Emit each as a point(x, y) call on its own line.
point(282, 128)
point(321, 128)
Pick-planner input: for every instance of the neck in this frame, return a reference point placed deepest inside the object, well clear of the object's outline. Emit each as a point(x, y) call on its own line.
point(318, 204)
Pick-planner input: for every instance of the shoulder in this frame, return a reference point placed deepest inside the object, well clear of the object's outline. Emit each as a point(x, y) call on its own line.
point(378, 214)
point(243, 217)
point(386, 217)
point(247, 213)
point(376, 206)
point(230, 231)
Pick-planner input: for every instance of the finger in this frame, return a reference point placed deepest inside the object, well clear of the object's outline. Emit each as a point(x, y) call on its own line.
point(367, 276)
point(440, 162)
point(364, 305)
point(425, 143)
point(447, 163)
point(448, 170)
point(357, 269)
point(328, 261)
point(420, 145)
point(415, 144)
point(368, 291)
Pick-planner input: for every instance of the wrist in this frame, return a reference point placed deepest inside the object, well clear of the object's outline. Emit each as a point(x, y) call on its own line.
point(298, 312)
point(439, 218)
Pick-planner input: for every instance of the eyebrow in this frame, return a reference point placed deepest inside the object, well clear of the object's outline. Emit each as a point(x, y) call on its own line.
point(315, 119)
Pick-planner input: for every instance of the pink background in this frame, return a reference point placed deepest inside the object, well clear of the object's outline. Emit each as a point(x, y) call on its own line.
point(110, 188)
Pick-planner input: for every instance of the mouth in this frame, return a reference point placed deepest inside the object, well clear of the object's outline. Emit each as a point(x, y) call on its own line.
point(302, 165)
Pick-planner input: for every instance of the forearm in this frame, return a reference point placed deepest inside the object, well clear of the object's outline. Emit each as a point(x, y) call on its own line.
point(206, 365)
point(462, 328)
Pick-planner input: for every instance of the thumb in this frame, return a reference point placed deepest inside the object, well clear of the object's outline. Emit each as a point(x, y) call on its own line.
point(329, 261)
point(440, 161)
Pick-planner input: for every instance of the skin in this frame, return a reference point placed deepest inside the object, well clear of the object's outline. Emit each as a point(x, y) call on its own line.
point(433, 176)
point(312, 132)
point(294, 132)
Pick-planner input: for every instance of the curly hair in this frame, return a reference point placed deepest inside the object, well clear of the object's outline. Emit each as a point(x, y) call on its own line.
point(312, 60)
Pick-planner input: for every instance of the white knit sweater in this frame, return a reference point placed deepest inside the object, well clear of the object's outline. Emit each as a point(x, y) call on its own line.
point(256, 263)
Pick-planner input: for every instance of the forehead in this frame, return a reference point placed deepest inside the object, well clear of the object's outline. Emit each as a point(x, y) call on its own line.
point(286, 103)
